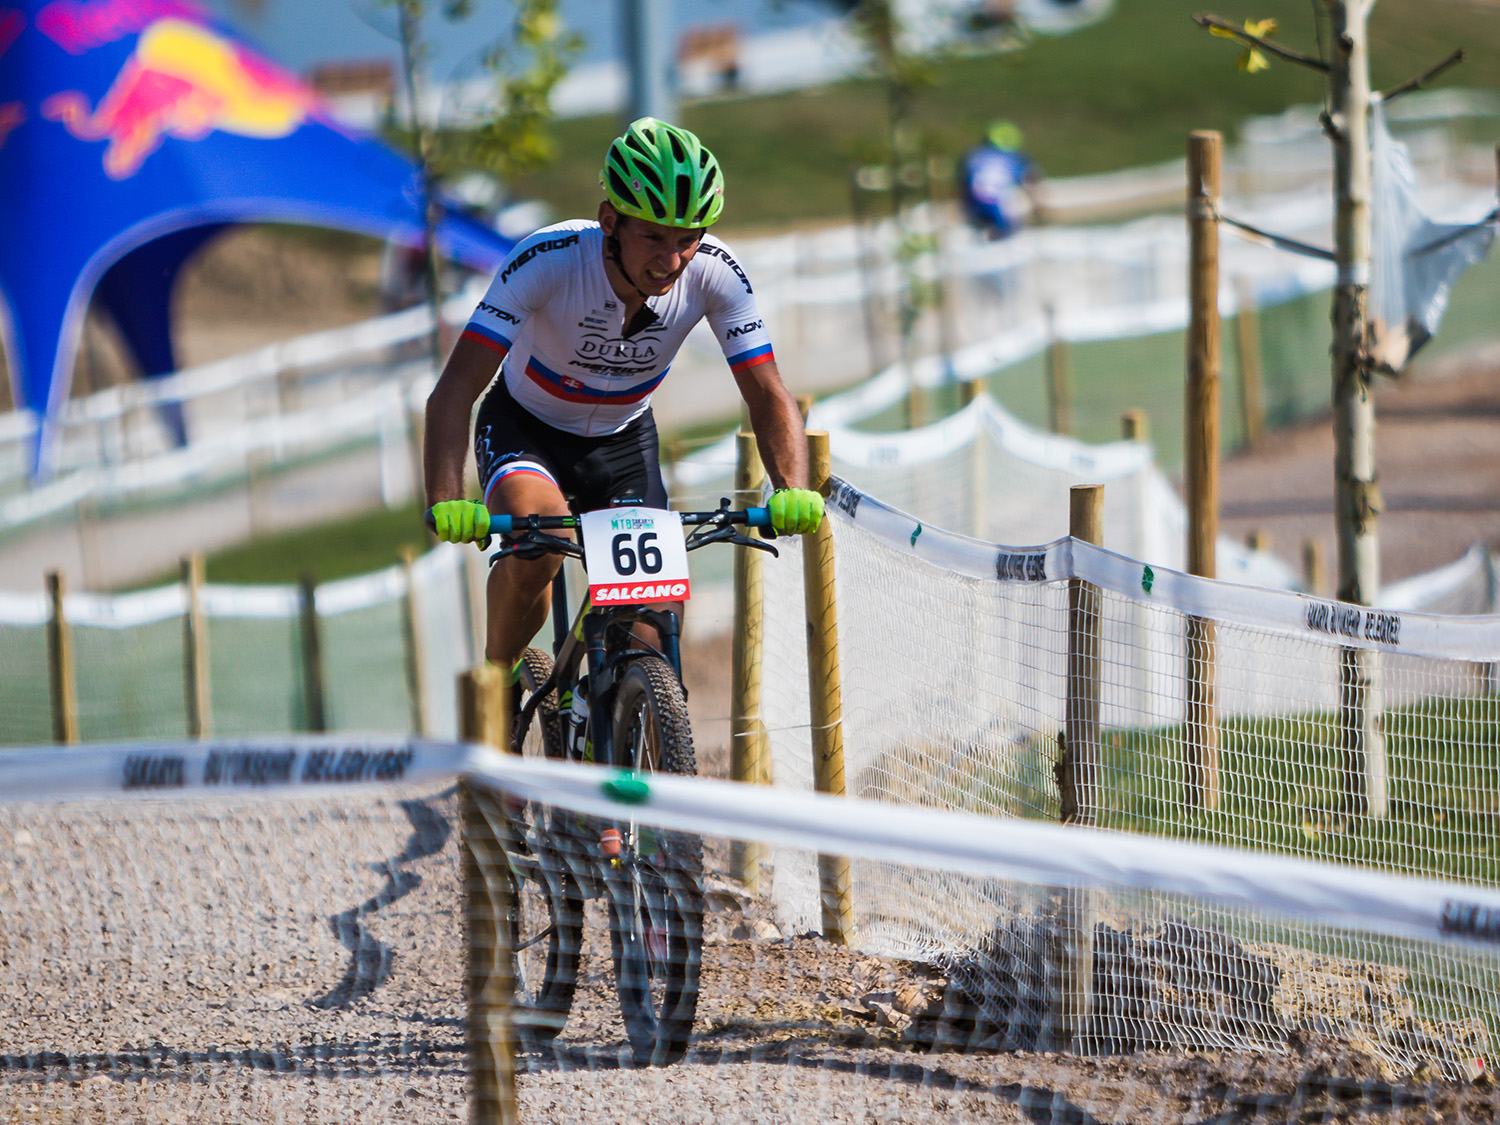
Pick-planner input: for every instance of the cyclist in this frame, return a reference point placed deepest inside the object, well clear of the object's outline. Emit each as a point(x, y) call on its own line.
point(587, 317)
point(998, 183)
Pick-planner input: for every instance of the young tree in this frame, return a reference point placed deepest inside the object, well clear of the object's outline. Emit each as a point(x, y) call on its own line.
point(515, 138)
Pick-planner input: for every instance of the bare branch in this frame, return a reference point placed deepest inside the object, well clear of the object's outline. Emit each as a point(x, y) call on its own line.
point(1425, 77)
point(1256, 41)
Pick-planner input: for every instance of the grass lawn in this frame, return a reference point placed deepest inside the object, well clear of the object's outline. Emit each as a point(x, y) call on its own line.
point(1122, 93)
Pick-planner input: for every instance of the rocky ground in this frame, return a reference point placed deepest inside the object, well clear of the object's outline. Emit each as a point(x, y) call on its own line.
point(170, 965)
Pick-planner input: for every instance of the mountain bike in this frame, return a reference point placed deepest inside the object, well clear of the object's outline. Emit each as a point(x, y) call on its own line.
point(611, 693)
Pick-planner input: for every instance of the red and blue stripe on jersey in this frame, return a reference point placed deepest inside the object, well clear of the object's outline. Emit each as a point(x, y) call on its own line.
point(753, 358)
point(571, 389)
point(486, 336)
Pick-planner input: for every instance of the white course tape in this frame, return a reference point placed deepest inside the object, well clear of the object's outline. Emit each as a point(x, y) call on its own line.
point(168, 770)
point(1467, 638)
point(1029, 851)
point(1042, 854)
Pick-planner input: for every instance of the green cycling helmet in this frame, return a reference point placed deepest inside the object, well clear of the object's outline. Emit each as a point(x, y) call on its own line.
point(663, 174)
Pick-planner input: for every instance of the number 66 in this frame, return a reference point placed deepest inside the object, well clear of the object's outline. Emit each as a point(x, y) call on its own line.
point(625, 558)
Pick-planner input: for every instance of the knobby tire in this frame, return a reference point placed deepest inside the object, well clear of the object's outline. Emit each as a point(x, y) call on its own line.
point(546, 916)
point(656, 931)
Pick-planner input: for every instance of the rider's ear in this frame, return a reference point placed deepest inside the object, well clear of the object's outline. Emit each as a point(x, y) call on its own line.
point(610, 220)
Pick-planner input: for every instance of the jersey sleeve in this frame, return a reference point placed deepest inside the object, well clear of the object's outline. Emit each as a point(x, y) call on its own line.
point(520, 287)
point(731, 311)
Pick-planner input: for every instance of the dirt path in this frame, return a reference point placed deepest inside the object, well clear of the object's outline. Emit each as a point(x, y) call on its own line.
point(1436, 442)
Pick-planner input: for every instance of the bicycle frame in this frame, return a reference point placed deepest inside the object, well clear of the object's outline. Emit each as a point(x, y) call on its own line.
point(586, 642)
point(587, 638)
point(649, 879)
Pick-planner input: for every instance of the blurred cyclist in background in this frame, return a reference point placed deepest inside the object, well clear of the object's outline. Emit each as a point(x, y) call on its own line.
point(997, 183)
point(582, 321)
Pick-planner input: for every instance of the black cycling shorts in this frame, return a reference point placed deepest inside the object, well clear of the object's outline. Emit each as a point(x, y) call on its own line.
point(591, 472)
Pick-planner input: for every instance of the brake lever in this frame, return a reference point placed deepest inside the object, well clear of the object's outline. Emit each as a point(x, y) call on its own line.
point(702, 536)
point(758, 544)
point(532, 544)
point(745, 541)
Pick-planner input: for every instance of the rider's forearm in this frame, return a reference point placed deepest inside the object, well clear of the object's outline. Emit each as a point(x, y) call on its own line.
point(777, 423)
point(445, 445)
point(783, 447)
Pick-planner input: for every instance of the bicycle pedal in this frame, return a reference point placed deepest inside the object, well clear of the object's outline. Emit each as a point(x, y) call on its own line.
point(609, 843)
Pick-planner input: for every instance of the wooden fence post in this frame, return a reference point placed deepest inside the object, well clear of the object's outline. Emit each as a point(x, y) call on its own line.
point(1201, 736)
point(1071, 955)
point(411, 636)
point(62, 674)
point(490, 977)
point(312, 656)
point(195, 652)
point(1059, 379)
point(1312, 566)
point(825, 691)
point(1247, 350)
point(748, 750)
point(1080, 757)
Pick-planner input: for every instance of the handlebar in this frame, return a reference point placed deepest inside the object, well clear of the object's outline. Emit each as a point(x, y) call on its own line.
point(508, 525)
point(532, 538)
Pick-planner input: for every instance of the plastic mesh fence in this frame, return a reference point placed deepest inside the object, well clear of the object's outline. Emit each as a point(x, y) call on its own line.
point(954, 682)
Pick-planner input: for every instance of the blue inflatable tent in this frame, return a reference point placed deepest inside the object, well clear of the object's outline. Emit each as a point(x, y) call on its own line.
point(132, 132)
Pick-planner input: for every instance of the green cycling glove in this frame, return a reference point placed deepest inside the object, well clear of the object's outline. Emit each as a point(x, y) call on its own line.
point(795, 511)
point(460, 521)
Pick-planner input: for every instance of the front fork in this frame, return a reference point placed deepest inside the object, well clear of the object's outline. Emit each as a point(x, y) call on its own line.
point(604, 851)
point(607, 669)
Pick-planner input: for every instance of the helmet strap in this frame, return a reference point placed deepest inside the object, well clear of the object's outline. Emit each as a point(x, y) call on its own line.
point(612, 246)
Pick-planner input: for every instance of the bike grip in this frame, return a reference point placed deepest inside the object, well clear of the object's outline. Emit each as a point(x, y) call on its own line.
point(500, 525)
point(430, 521)
point(757, 517)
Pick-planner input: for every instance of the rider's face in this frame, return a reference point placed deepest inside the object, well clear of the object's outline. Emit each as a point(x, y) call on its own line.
point(654, 255)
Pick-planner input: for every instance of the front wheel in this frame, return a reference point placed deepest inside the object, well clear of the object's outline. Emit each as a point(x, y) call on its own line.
point(546, 909)
point(543, 736)
point(656, 932)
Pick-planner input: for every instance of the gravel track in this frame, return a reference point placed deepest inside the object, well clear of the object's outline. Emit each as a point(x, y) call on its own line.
point(308, 967)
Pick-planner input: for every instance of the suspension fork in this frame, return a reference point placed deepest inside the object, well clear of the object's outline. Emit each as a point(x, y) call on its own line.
point(560, 622)
point(595, 626)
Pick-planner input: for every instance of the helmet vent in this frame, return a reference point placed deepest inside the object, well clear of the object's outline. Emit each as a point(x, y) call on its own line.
point(652, 176)
point(684, 196)
point(618, 185)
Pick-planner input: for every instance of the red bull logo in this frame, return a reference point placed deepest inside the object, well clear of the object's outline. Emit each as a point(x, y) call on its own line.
point(12, 23)
point(81, 25)
point(184, 82)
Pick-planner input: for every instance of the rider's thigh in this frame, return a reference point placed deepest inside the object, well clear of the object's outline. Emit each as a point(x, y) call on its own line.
point(526, 494)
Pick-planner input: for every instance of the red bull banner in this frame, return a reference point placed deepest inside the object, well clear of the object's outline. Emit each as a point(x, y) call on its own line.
point(131, 131)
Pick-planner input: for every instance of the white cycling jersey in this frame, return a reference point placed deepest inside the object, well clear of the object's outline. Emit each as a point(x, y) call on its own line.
point(553, 316)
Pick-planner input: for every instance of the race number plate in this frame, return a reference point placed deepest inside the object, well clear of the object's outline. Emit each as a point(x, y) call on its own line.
point(635, 556)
